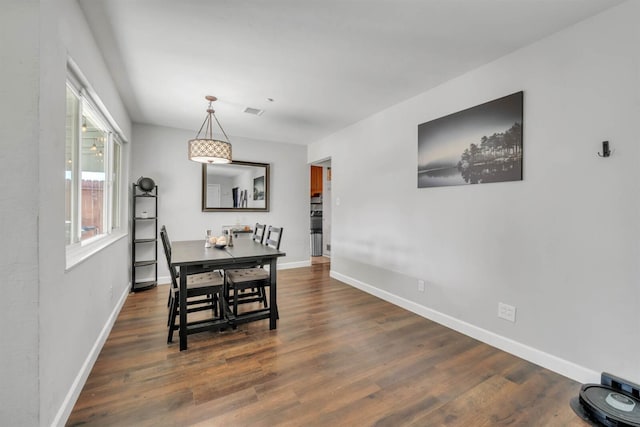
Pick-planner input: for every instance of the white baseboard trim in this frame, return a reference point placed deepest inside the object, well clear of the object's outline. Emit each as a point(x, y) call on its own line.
point(563, 367)
point(85, 370)
point(298, 264)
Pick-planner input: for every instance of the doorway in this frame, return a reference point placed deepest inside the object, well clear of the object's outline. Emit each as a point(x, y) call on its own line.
point(320, 212)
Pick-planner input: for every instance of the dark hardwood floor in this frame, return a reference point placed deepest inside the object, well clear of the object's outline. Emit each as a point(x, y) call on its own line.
point(339, 357)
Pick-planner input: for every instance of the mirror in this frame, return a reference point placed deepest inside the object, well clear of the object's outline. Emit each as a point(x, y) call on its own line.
point(236, 186)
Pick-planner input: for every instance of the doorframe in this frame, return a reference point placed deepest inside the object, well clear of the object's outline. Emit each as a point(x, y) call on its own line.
point(326, 203)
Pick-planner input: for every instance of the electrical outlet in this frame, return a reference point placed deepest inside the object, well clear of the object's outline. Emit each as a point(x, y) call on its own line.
point(507, 312)
point(421, 285)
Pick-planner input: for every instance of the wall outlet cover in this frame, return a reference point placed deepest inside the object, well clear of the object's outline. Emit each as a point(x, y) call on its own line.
point(506, 312)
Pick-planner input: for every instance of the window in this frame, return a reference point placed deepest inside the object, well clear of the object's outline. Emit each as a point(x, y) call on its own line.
point(92, 173)
point(72, 128)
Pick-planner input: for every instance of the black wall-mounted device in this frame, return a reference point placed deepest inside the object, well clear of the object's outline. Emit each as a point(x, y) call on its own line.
point(606, 152)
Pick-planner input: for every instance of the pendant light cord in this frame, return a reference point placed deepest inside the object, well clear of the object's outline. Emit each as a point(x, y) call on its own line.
point(211, 112)
point(223, 132)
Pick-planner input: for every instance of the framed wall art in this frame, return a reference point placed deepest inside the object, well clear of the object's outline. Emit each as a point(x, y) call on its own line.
point(258, 188)
point(479, 145)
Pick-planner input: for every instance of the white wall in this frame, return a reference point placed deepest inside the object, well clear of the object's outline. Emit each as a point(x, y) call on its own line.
point(561, 245)
point(75, 305)
point(161, 153)
point(19, 119)
point(52, 318)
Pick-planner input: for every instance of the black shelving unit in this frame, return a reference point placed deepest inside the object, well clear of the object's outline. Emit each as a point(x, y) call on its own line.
point(144, 272)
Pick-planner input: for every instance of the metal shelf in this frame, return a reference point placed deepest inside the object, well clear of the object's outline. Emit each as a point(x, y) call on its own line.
point(152, 206)
point(144, 240)
point(144, 285)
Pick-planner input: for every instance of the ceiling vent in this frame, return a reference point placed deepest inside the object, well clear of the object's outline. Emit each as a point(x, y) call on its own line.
point(254, 111)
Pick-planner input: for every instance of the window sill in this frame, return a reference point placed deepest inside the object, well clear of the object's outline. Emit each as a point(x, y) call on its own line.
point(78, 253)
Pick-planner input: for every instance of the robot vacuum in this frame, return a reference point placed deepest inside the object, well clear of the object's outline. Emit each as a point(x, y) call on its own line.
point(614, 403)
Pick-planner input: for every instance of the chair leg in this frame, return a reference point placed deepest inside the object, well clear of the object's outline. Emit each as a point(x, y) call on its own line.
point(172, 319)
point(263, 294)
point(235, 302)
point(170, 310)
point(215, 300)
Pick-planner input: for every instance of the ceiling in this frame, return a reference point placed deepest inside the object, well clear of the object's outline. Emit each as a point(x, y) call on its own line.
point(325, 63)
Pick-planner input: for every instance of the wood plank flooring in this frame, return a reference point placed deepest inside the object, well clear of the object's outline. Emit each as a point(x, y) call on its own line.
point(339, 357)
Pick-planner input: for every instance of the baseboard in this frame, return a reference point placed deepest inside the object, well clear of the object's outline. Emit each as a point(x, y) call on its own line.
point(297, 264)
point(85, 370)
point(549, 361)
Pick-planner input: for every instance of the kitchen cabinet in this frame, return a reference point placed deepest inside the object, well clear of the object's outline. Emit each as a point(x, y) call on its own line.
point(316, 180)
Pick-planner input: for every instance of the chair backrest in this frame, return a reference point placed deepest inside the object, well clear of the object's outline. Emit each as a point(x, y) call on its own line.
point(163, 229)
point(258, 233)
point(274, 236)
point(167, 252)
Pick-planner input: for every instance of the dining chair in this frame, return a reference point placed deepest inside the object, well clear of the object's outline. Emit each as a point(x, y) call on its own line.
point(167, 247)
point(257, 236)
point(163, 229)
point(257, 278)
point(258, 232)
point(250, 295)
point(203, 290)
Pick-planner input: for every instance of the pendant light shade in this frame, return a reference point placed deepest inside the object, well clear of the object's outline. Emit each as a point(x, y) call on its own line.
point(205, 148)
point(209, 151)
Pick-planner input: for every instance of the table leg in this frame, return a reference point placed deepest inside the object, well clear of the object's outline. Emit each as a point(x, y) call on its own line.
point(183, 307)
point(273, 303)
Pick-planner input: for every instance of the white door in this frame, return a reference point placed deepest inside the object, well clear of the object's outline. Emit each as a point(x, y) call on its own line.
point(213, 195)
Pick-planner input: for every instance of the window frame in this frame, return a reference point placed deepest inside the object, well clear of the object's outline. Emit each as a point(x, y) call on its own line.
point(112, 224)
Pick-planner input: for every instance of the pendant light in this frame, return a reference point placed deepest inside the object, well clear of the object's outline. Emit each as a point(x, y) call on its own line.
point(206, 149)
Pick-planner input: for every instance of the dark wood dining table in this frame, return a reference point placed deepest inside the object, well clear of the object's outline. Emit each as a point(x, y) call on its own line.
point(192, 254)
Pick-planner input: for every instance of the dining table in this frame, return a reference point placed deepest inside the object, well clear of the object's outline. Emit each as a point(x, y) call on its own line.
point(192, 255)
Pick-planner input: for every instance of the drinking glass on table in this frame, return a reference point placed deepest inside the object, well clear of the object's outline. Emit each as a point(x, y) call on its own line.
point(207, 239)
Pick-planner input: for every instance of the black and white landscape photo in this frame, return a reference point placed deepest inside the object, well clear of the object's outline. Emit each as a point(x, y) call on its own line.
point(478, 145)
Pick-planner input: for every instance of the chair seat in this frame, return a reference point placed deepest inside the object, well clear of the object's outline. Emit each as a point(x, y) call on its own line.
point(204, 280)
point(247, 275)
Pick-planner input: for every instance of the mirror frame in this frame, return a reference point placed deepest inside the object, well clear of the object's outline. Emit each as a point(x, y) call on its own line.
point(267, 188)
